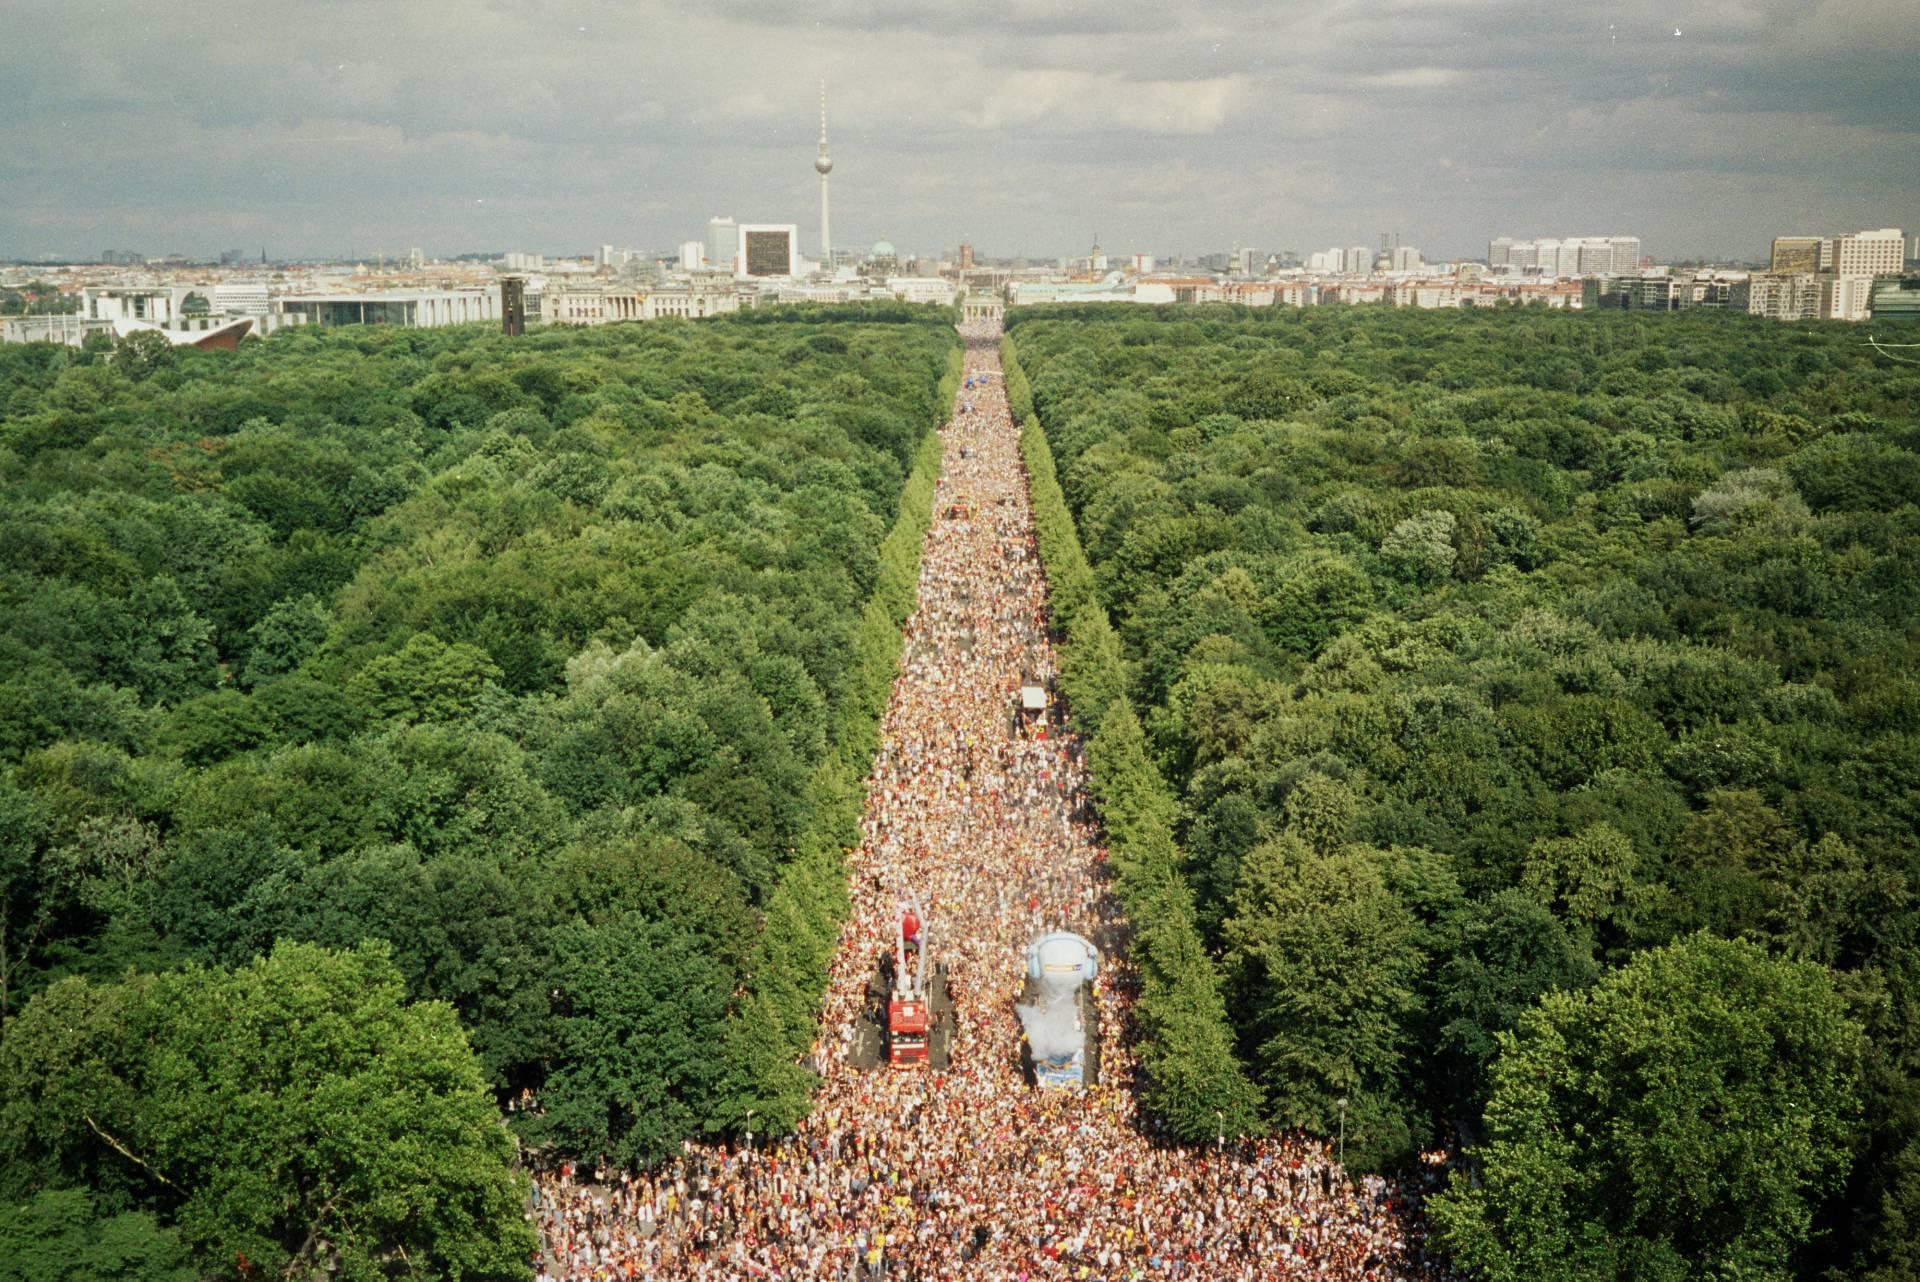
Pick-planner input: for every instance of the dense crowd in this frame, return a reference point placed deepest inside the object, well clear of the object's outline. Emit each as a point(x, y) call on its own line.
point(980, 814)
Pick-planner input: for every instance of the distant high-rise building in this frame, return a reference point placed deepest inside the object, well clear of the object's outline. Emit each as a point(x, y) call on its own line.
point(1845, 297)
point(1795, 254)
point(693, 255)
point(723, 243)
point(1868, 253)
point(1567, 256)
point(966, 256)
point(1406, 259)
point(1250, 262)
point(513, 305)
point(416, 258)
point(1781, 296)
point(768, 249)
point(1593, 258)
point(1359, 261)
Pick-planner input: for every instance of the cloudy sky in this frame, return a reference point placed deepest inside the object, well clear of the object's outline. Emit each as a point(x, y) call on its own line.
point(1025, 126)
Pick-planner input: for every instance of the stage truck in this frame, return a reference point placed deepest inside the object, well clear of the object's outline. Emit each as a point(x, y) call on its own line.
point(1058, 1013)
point(908, 1018)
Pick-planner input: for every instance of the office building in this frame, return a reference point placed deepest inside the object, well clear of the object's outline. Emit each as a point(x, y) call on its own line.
point(1567, 256)
point(241, 298)
point(1780, 296)
point(1796, 254)
point(162, 305)
point(1844, 297)
point(411, 309)
point(921, 289)
point(723, 243)
point(1895, 297)
point(768, 249)
point(1868, 253)
point(1656, 292)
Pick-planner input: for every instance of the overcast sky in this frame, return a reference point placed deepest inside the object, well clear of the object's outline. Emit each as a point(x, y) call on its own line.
point(1028, 126)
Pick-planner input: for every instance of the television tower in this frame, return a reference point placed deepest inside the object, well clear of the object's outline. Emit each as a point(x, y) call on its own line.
point(824, 163)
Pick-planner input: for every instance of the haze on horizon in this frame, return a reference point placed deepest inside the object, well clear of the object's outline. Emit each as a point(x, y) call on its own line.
point(1025, 127)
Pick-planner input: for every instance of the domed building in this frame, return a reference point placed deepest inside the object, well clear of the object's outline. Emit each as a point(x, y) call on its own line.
point(883, 257)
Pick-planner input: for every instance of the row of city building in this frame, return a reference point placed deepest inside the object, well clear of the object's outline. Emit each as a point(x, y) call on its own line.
point(1565, 256)
point(219, 315)
point(734, 265)
point(1853, 276)
point(1787, 296)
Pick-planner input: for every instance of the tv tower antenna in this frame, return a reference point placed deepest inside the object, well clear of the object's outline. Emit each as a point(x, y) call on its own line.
point(824, 164)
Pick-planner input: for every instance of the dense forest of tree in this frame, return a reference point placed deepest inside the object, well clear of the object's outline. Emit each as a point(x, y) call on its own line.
point(369, 694)
point(1541, 695)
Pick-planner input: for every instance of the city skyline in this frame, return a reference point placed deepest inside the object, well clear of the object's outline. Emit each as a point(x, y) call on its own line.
point(546, 126)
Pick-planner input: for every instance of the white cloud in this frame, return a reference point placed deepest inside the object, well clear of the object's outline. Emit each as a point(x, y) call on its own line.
point(1417, 78)
point(1081, 101)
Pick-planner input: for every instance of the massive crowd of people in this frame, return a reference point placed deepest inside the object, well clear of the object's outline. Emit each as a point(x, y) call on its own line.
point(979, 813)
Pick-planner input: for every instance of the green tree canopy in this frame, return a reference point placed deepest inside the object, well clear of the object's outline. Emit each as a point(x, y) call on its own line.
point(1682, 1118)
point(295, 1111)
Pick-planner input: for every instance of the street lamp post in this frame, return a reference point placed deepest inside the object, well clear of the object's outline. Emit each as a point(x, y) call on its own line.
point(1220, 1135)
point(1341, 1103)
point(749, 1133)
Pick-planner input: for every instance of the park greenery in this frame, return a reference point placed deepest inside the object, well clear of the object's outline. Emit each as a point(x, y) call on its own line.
point(395, 723)
point(1508, 724)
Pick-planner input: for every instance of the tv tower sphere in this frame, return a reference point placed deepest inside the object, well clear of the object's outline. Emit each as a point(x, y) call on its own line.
point(823, 163)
